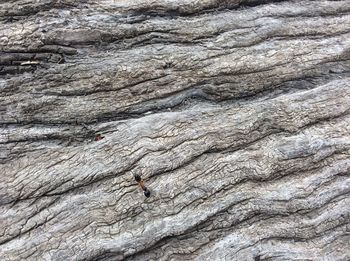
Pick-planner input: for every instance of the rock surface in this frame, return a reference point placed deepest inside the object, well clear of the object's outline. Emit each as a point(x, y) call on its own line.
point(235, 113)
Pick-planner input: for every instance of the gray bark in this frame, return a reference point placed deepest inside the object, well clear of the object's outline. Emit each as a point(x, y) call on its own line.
point(235, 114)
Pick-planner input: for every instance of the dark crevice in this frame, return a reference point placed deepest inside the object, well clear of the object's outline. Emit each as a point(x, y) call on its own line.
point(20, 61)
point(198, 93)
point(105, 90)
point(104, 255)
point(27, 231)
point(25, 11)
point(180, 11)
point(227, 149)
point(250, 218)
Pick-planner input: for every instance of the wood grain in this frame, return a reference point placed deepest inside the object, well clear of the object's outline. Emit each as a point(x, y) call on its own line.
point(234, 113)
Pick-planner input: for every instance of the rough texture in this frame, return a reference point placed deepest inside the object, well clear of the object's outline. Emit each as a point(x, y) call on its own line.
point(235, 113)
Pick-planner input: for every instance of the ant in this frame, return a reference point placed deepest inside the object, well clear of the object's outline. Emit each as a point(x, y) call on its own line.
point(140, 182)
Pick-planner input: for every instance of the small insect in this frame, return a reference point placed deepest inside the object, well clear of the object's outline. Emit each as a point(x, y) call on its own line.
point(140, 182)
point(98, 137)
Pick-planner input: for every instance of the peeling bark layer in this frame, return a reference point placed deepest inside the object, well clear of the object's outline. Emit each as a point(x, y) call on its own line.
point(235, 114)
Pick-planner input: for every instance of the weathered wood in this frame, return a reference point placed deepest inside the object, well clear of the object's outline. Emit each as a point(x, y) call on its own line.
point(235, 114)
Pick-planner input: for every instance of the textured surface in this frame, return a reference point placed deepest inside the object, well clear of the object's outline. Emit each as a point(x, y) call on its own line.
point(235, 113)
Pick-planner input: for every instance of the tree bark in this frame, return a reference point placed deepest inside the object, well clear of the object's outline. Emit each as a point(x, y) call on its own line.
point(235, 114)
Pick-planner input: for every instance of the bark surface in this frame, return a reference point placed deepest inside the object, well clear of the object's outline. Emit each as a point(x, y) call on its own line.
point(236, 114)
